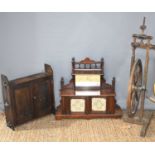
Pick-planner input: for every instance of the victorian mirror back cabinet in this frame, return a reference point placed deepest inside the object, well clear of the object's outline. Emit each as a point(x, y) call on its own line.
point(88, 95)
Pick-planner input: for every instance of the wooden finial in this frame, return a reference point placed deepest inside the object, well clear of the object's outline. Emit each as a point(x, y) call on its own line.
point(73, 63)
point(143, 27)
point(62, 82)
point(113, 83)
point(102, 64)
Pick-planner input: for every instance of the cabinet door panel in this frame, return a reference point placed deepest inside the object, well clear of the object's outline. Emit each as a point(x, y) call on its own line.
point(24, 106)
point(42, 98)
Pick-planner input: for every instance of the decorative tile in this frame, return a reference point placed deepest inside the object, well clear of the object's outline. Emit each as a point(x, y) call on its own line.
point(77, 105)
point(98, 104)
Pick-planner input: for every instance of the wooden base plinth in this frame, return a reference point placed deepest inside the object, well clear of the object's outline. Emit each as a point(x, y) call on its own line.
point(145, 121)
point(118, 114)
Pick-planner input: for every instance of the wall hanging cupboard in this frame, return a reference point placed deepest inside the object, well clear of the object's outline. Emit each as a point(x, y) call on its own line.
point(28, 97)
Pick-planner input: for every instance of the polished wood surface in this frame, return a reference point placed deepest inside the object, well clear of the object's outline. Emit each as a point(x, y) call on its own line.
point(92, 115)
point(106, 91)
point(28, 97)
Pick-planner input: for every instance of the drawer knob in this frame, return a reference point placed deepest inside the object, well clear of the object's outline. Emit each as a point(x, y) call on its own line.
point(34, 97)
point(6, 104)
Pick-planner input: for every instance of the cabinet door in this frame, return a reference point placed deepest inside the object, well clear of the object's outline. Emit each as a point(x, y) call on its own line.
point(23, 104)
point(42, 98)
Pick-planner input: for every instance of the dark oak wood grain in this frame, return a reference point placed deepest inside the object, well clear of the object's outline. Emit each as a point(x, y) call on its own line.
point(28, 97)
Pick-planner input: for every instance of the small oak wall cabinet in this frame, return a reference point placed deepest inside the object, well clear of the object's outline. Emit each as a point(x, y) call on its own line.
point(88, 95)
point(28, 97)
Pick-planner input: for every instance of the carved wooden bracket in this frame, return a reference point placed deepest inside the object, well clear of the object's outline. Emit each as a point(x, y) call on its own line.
point(48, 69)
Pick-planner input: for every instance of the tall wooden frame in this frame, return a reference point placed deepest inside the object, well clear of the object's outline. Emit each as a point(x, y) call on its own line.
point(137, 85)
